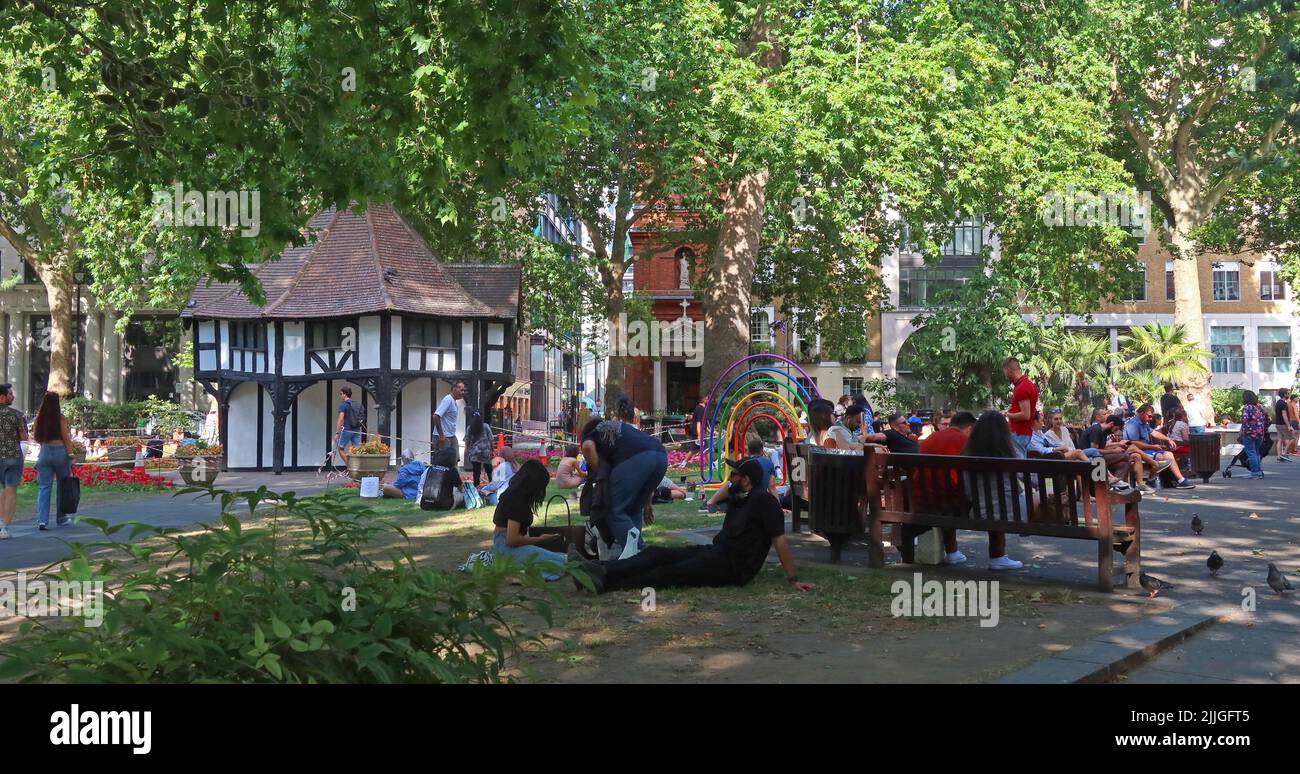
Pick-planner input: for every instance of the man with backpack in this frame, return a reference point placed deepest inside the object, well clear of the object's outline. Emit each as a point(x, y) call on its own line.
point(349, 426)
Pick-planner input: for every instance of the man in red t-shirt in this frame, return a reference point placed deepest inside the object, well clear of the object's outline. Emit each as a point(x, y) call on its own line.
point(1024, 406)
point(951, 441)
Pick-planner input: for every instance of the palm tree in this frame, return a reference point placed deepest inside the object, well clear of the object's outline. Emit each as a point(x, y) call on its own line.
point(1163, 350)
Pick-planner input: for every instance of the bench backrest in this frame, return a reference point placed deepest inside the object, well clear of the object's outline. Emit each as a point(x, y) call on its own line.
point(985, 489)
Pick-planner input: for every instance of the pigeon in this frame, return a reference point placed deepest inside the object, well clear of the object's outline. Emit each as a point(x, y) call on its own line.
point(1197, 524)
point(1153, 584)
point(1215, 562)
point(1276, 580)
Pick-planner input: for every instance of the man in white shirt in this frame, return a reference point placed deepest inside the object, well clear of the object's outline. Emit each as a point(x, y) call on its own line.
point(1195, 414)
point(444, 419)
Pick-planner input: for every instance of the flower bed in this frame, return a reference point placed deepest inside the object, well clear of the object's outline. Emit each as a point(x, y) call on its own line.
point(96, 476)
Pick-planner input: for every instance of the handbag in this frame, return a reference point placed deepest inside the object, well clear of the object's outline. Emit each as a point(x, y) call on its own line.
point(571, 534)
point(69, 495)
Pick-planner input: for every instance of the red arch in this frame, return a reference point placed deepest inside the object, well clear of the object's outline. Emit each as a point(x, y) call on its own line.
point(791, 426)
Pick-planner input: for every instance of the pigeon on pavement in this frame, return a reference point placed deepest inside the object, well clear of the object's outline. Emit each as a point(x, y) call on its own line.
point(1215, 562)
point(1276, 580)
point(1197, 524)
point(1153, 584)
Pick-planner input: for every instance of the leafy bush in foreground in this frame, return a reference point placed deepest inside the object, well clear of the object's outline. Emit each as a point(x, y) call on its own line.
point(294, 601)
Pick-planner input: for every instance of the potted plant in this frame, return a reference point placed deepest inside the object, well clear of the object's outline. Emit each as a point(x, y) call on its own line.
point(78, 453)
point(368, 459)
point(120, 448)
point(198, 462)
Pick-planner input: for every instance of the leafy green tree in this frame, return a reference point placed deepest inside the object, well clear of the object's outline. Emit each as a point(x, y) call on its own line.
point(103, 105)
point(1202, 106)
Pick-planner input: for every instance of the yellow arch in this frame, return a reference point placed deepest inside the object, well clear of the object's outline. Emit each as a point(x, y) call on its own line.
point(731, 418)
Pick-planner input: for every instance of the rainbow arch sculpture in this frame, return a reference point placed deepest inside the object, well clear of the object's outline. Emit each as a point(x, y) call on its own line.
point(736, 402)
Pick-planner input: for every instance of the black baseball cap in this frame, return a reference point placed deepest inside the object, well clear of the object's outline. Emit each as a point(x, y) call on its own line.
point(748, 468)
point(5, 389)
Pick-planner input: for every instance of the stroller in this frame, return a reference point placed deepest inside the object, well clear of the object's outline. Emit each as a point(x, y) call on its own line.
point(1242, 459)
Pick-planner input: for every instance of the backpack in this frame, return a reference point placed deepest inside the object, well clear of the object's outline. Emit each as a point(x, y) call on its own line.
point(431, 490)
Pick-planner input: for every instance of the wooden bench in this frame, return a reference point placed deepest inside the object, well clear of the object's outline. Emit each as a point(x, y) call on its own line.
point(972, 493)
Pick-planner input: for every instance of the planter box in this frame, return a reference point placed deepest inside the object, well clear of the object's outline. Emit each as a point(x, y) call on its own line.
point(190, 474)
point(362, 465)
point(79, 458)
point(120, 454)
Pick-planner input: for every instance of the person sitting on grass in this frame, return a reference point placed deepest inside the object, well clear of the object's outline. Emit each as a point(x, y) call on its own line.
point(514, 514)
point(667, 491)
point(407, 483)
point(1138, 432)
point(754, 525)
point(503, 470)
point(754, 448)
point(569, 473)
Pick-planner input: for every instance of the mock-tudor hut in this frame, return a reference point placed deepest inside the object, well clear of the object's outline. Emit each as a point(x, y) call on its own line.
point(363, 303)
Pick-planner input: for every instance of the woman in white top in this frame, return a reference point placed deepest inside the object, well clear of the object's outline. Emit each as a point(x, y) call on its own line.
point(1060, 432)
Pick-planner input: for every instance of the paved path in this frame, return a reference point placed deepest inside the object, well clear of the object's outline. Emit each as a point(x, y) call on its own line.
point(31, 548)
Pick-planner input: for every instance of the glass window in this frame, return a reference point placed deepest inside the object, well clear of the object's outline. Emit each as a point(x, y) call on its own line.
point(925, 286)
point(967, 239)
point(1228, 343)
point(1133, 284)
point(1275, 349)
point(1227, 283)
point(1169, 281)
point(1271, 286)
point(852, 385)
point(629, 277)
point(759, 328)
point(326, 334)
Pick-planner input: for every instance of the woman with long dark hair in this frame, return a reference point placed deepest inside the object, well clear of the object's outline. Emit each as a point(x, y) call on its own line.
point(53, 463)
point(514, 515)
point(1254, 430)
point(478, 446)
point(991, 437)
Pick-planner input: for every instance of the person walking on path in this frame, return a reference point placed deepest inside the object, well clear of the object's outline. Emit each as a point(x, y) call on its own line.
point(348, 427)
point(53, 464)
point(444, 419)
point(1281, 411)
point(13, 433)
point(1254, 429)
point(478, 447)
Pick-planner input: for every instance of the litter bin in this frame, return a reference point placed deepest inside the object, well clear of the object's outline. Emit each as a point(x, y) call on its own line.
point(1205, 454)
point(836, 486)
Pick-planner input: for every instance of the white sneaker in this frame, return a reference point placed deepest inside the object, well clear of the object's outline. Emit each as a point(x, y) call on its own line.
point(4, 533)
point(956, 557)
point(1005, 562)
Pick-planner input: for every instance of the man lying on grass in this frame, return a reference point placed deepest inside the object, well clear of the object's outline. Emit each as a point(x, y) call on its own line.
point(754, 524)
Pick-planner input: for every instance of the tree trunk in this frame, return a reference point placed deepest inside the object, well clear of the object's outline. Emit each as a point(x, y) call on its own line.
point(57, 278)
point(616, 376)
point(731, 278)
point(1187, 299)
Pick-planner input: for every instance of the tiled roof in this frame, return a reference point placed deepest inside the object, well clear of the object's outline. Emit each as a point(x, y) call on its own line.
point(362, 264)
point(495, 285)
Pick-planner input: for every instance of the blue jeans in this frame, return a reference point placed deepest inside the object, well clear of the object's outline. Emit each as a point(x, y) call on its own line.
point(52, 463)
point(1021, 444)
point(1252, 454)
point(528, 553)
point(348, 439)
point(11, 471)
point(1197, 429)
point(631, 483)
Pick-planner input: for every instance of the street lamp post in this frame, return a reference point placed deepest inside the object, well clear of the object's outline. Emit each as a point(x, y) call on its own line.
point(79, 277)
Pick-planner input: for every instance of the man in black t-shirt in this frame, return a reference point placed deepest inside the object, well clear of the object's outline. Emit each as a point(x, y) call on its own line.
point(1169, 401)
point(695, 430)
point(754, 524)
point(1281, 424)
point(899, 438)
